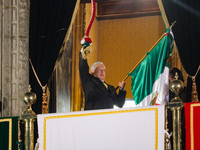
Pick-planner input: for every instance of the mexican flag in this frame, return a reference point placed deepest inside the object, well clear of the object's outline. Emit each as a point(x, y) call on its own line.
point(150, 80)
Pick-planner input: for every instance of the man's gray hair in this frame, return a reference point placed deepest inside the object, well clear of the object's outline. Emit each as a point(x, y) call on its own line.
point(94, 65)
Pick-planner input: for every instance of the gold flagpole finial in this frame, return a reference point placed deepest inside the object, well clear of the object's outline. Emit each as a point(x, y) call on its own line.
point(172, 24)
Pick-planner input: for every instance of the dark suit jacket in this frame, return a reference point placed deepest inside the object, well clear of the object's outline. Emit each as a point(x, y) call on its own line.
point(96, 94)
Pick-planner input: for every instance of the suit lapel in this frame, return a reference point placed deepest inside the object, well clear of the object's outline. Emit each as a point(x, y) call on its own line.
point(100, 84)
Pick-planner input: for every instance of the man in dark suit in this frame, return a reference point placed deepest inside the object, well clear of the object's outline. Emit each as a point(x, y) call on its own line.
point(98, 94)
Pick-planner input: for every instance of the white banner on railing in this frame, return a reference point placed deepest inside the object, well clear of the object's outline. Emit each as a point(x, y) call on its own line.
point(110, 129)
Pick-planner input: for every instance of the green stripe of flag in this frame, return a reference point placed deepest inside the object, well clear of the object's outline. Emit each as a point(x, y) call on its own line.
point(149, 70)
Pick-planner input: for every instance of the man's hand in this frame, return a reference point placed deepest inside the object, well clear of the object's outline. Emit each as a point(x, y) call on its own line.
point(121, 84)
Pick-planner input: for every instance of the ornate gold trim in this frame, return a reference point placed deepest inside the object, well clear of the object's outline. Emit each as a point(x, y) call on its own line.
point(68, 33)
point(175, 59)
point(10, 131)
point(19, 135)
point(160, 4)
point(77, 97)
point(103, 113)
point(192, 124)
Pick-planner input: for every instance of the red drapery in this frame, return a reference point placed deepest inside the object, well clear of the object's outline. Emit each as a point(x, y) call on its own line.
point(192, 125)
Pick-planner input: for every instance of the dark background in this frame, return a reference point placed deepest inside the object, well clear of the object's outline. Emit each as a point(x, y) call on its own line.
point(49, 22)
point(186, 31)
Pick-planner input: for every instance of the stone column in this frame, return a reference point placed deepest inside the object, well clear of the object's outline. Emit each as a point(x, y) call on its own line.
point(14, 49)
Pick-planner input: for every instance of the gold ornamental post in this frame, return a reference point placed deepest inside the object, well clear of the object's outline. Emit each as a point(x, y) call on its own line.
point(167, 140)
point(29, 117)
point(176, 106)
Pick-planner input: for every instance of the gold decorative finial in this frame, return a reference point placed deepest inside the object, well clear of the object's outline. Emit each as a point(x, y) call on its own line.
point(29, 88)
point(30, 97)
point(172, 24)
point(176, 76)
point(176, 86)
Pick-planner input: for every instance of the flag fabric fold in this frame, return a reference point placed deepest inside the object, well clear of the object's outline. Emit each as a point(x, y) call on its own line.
point(150, 80)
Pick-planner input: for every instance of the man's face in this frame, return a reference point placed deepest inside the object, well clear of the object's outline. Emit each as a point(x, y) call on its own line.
point(99, 72)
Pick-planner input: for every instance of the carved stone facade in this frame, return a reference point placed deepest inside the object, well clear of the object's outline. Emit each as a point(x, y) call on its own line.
point(14, 49)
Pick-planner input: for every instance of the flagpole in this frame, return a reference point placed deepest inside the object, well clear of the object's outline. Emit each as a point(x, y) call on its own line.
point(146, 54)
